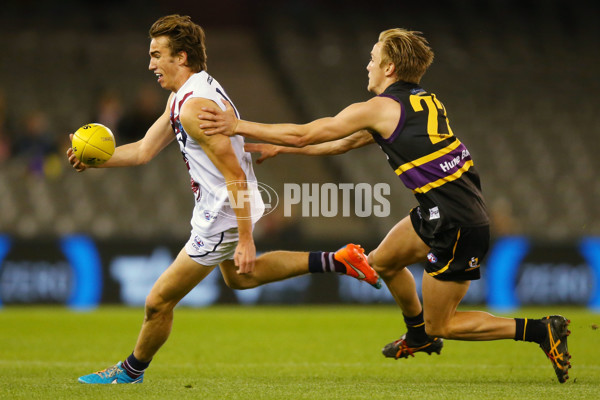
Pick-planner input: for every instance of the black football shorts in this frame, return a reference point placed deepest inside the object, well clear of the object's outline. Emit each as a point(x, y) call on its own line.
point(456, 252)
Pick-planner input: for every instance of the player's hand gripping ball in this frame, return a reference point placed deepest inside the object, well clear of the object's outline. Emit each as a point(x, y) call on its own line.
point(93, 144)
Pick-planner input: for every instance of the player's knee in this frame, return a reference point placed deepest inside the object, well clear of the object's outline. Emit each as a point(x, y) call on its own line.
point(155, 305)
point(373, 261)
point(379, 263)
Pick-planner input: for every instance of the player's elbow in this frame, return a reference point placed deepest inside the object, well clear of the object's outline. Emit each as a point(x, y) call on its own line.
point(297, 141)
point(144, 159)
point(145, 152)
point(306, 139)
point(340, 148)
point(320, 131)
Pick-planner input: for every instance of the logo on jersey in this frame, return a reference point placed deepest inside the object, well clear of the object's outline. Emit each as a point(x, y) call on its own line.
point(474, 262)
point(208, 215)
point(434, 213)
point(419, 213)
point(180, 133)
point(431, 258)
point(175, 122)
point(195, 186)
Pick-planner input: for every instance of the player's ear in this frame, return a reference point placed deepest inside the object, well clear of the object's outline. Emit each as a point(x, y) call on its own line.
point(390, 69)
point(182, 57)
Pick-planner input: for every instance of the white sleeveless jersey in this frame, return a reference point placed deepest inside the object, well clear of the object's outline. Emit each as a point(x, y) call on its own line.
point(213, 212)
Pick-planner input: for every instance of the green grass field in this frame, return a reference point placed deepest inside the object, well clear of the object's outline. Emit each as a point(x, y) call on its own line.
point(280, 353)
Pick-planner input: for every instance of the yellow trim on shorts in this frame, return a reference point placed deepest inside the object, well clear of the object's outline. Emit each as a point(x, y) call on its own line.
point(472, 268)
point(442, 270)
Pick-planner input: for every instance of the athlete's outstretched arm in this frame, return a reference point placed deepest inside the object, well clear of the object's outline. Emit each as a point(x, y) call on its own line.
point(340, 146)
point(355, 117)
point(157, 137)
point(218, 148)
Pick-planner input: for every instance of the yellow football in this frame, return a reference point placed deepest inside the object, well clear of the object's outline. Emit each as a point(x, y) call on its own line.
point(93, 144)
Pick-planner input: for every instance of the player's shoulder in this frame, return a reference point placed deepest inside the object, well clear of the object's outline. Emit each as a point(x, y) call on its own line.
point(195, 83)
point(204, 85)
point(197, 88)
point(382, 100)
point(203, 80)
point(193, 106)
point(381, 104)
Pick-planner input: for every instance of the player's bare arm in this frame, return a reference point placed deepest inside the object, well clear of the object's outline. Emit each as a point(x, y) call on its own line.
point(218, 148)
point(340, 146)
point(379, 114)
point(158, 136)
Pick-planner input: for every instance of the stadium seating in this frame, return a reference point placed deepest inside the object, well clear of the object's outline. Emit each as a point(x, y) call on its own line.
point(519, 87)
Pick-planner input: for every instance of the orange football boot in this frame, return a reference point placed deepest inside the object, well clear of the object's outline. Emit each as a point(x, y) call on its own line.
point(354, 259)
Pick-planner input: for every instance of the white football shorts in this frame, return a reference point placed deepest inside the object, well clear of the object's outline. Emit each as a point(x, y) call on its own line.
point(212, 250)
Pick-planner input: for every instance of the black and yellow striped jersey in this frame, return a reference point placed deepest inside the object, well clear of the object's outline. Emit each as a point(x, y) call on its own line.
point(431, 161)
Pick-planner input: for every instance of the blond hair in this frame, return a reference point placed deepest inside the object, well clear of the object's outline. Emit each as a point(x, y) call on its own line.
point(408, 51)
point(184, 35)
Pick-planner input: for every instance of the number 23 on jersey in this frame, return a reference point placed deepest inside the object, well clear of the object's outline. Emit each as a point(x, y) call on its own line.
point(436, 114)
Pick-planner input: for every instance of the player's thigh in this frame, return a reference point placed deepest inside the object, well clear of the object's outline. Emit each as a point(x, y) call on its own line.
point(178, 280)
point(401, 247)
point(440, 301)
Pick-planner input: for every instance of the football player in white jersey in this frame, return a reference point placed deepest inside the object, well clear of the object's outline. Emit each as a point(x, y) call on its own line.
point(219, 170)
